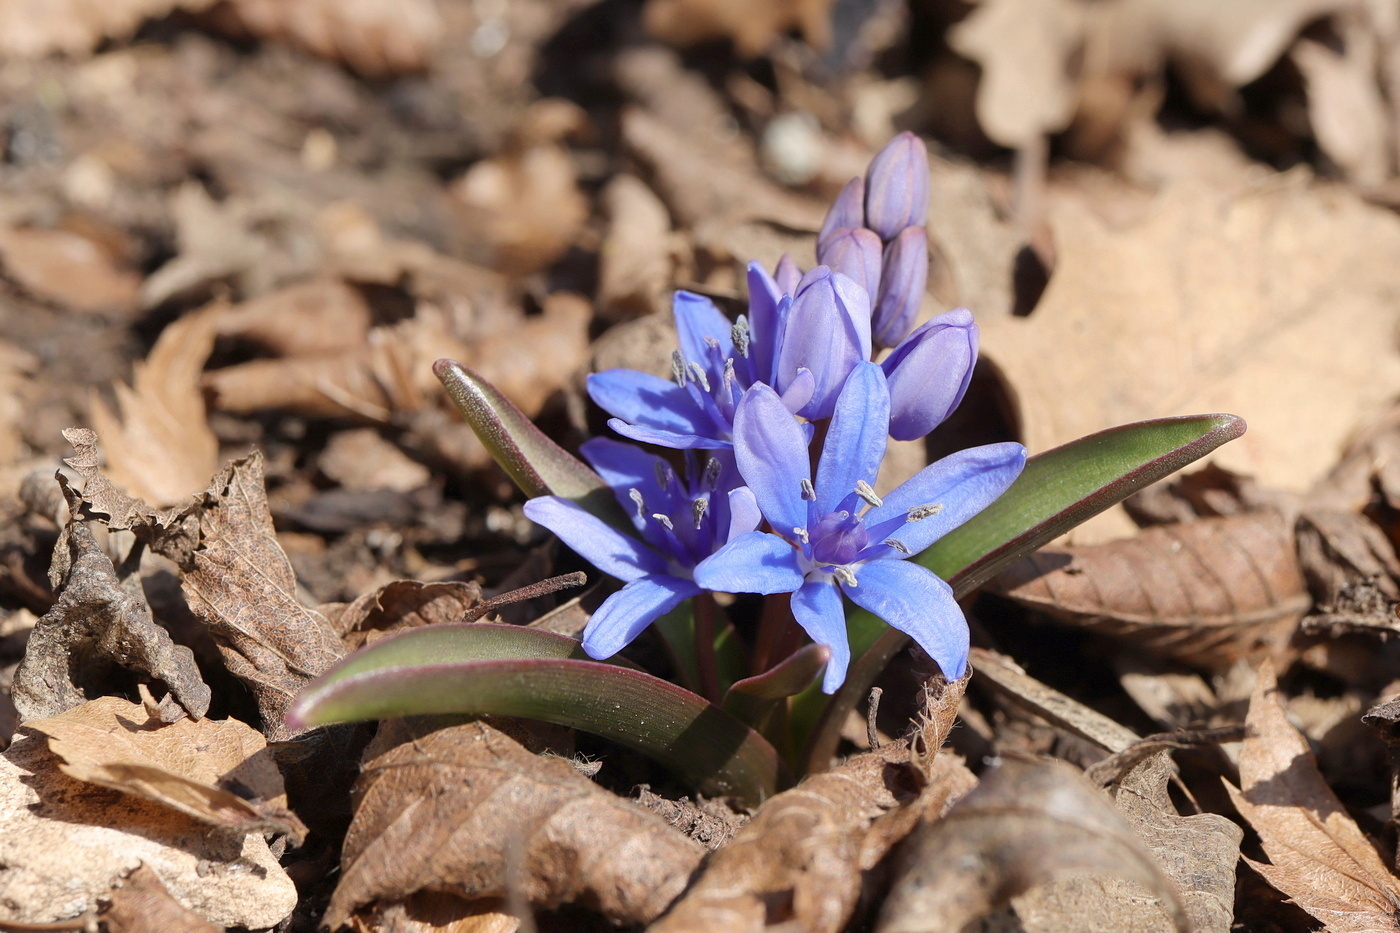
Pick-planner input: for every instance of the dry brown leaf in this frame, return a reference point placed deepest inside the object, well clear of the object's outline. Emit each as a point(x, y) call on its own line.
point(362, 460)
point(435, 912)
point(40, 27)
point(142, 904)
point(1349, 114)
point(400, 605)
point(468, 810)
point(635, 263)
point(99, 619)
point(375, 38)
point(1318, 856)
point(219, 773)
point(1028, 822)
point(100, 496)
point(240, 584)
point(68, 269)
point(1248, 305)
point(1208, 592)
point(312, 318)
point(1352, 570)
point(160, 447)
point(17, 370)
point(1024, 47)
point(65, 843)
point(752, 26)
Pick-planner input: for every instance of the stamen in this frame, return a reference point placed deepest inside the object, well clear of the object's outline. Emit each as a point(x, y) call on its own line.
point(730, 377)
point(711, 342)
point(920, 512)
point(845, 575)
point(898, 545)
point(809, 491)
point(697, 508)
point(739, 333)
point(865, 492)
point(664, 521)
point(635, 495)
point(664, 475)
point(678, 368)
point(710, 477)
point(698, 374)
point(801, 534)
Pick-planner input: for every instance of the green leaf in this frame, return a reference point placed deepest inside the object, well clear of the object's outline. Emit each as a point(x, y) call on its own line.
point(1057, 490)
point(506, 670)
point(538, 466)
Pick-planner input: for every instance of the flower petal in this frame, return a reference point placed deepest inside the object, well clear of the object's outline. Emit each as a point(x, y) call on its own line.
point(963, 483)
point(753, 563)
point(828, 332)
point(625, 467)
point(855, 443)
point(764, 298)
point(929, 373)
point(606, 548)
point(817, 608)
point(799, 392)
point(744, 513)
point(772, 457)
point(914, 600)
point(903, 279)
point(857, 253)
point(846, 212)
point(643, 399)
point(624, 614)
point(897, 187)
point(787, 275)
point(697, 318)
point(664, 438)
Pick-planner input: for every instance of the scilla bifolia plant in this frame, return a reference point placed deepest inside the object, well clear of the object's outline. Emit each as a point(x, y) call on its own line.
point(801, 379)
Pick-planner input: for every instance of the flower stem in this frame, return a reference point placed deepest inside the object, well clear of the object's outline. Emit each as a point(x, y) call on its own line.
point(778, 634)
point(705, 662)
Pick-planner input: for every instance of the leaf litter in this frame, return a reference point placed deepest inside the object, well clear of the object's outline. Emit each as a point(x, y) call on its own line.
point(1193, 209)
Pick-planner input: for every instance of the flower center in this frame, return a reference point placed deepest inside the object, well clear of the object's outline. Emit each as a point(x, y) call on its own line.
point(838, 538)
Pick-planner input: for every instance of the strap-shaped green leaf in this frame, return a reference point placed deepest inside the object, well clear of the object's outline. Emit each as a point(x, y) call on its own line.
point(506, 670)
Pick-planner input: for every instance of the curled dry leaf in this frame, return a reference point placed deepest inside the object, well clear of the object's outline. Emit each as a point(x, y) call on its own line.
point(65, 843)
point(1352, 570)
point(68, 269)
point(1208, 592)
point(1214, 304)
point(313, 318)
point(752, 27)
point(121, 511)
point(468, 810)
point(160, 448)
point(1027, 823)
point(400, 605)
point(1318, 856)
point(142, 904)
point(219, 773)
point(99, 619)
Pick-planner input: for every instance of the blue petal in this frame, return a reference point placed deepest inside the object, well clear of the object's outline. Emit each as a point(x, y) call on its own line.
point(606, 548)
point(696, 319)
point(929, 373)
point(798, 392)
point(624, 614)
point(744, 514)
point(914, 600)
point(855, 443)
point(787, 275)
point(764, 297)
point(772, 457)
point(625, 467)
point(753, 563)
point(828, 332)
point(963, 483)
point(643, 399)
point(663, 438)
point(817, 608)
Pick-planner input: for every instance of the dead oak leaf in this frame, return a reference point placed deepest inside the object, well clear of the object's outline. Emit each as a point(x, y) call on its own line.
point(218, 772)
point(752, 26)
point(468, 810)
point(67, 268)
point(400, 605)
point(1261, 304)
point(142, 904)
point(1318, 856)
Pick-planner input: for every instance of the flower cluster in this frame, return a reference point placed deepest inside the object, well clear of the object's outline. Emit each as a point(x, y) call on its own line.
point(746, 402)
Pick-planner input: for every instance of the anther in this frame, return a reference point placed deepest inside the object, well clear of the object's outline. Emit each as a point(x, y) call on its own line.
point(809, 491)
point(635, 495)
point(664, 474)
point(710, 477)
point(801, 534)
point(664, 520)
point(739, 333)
point(920, 512)
point(730, 377)
point(697, 508)
point(845, 575)
point(711, 342)
point(678, 367)
point(865, 492)
point(898, 545)
point(698, 374)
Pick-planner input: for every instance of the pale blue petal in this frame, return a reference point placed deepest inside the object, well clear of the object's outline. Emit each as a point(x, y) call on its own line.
point(624, 614)
point(764, 296)
point(800, 390)
point(697, 318)
point(817, 608)
point(606, 548)
point(643, 399)
point(663, 438)
point(772, 457)
point(929, 373)
point(827, 332)
point(963, 484)
point(914, 600)
point(855, 443)
point(744, 513)
point(753, 563)
point(625, 467)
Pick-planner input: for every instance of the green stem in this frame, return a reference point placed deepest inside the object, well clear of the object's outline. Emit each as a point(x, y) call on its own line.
point(821, 746)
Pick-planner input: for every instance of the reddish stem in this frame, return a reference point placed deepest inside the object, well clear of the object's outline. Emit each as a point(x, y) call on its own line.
point(705, 663)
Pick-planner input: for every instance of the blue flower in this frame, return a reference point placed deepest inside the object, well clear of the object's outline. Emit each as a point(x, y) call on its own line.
point(679, 523)
point(837, 536)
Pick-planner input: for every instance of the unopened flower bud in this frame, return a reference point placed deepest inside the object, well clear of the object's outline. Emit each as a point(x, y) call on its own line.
point(847, 212)
point(929, 372)
point(787, 275)
point(855, 253)
point(828, 333)
point(902, 282)
point(897, 187)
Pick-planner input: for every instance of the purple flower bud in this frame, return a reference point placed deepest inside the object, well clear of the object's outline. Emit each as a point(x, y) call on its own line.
point(855, 253)
point(846, 212)
point(902, 283)
point(929, 373)
point(787, 275)
point(897, 187)
point(828, 332)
